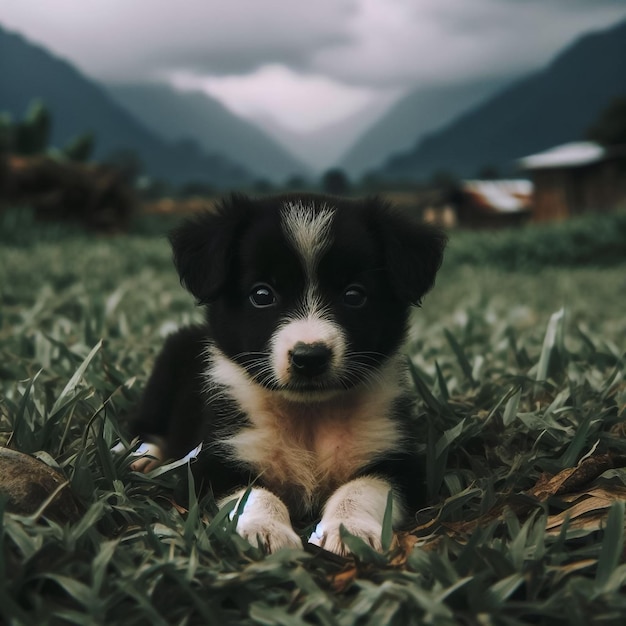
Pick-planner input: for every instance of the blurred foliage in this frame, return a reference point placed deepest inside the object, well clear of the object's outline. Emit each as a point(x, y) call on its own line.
point(518, 376)
point(335, 182)
point(32, 135)
point(6, 133)
point(80, 148)
point(445, 180)
point(593, 239)
point(128, 163)
point(263, 186)
point(297, 183)
point(194, 189)
point(489, 172)
point(610, 128)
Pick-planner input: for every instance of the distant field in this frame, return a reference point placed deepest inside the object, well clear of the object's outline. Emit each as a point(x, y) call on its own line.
point(519, 376)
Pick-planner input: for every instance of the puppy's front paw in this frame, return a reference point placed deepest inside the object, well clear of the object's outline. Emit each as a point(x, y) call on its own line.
point(360, 506)
point(149, 457)
point(327, 534)
point(269, 535)
point(264, 521)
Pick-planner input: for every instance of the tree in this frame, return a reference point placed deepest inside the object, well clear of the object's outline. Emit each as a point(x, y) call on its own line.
point(128, 163)
point(196, 189)
point(336, 182)
point(7, 131)
point(296, 182)
point(489, 172)
point(80, 148)
point(33, 133)
point(610, 128)
point(373, 182)
point(445, 180)
point(263, 185)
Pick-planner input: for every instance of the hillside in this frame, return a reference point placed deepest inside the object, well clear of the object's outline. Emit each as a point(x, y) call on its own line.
point(549, 107)
point(78, 104)
point(323, 145)
point(175, 115)
point(422, 111)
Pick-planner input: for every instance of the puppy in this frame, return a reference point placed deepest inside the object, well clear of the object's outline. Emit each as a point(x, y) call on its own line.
point(296, 384)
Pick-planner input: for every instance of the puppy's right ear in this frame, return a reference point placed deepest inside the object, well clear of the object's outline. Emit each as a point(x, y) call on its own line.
point(203, 247)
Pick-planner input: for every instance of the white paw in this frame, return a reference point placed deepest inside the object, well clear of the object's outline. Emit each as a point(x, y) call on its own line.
point(269, 535)
point(264, 521)
point(119, 448)
point(150, 456)
point(360, 507)
point(327, 534)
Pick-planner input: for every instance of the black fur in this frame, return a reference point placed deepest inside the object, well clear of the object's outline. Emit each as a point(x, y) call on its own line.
point(220, 256)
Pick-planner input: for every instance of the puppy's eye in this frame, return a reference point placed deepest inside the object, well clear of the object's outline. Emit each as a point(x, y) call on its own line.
point(354, 296)
point(262, 296)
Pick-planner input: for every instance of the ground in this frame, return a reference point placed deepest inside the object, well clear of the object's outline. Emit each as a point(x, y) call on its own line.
point(520, 392)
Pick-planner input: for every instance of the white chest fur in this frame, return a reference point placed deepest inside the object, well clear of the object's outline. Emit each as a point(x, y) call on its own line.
point(315, 446)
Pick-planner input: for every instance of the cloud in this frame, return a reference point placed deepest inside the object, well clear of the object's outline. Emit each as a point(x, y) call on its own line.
point(310, 63)
point(300, 101)
point(122, 40)
point(364, 43)
point(397, 42)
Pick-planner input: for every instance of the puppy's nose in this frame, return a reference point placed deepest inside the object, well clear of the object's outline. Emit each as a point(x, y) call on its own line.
point(310, 359)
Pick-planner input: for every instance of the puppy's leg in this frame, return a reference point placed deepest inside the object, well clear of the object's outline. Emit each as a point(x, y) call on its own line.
point(264, 520)
point(171, 416)
point(149, 457)
point(360, 506)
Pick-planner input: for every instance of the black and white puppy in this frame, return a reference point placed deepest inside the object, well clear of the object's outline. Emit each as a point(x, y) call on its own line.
point(296, 384)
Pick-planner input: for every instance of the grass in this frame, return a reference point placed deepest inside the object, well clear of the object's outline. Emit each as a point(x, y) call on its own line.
point(593, 239)
point(520, 394)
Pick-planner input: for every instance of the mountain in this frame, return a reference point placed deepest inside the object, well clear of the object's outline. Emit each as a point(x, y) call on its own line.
point(421, 111)
point(175, 115)
point(322, 147)
point(78, 104)
point(552, 106)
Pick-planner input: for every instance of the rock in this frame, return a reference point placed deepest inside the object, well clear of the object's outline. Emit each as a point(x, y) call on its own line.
point(27, 482)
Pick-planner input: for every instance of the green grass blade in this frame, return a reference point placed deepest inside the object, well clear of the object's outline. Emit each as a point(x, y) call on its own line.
point(511, 407)
point(441, 383)
point(503, 589)
point(576, 445)
point(422, 388)
point(360, 548)
point(387, 532)
point(75, 379)
point(462, 359)
point(551, 343)
point(612, 543)
point(449, 437)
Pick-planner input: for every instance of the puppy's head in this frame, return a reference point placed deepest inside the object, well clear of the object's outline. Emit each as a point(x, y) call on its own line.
point(308, 294)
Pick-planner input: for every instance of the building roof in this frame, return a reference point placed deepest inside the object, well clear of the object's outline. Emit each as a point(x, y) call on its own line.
point(502, 196)
point(573, 154)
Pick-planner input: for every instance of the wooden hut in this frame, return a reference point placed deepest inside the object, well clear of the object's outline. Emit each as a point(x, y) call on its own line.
point(493, 203)
point(576, 178)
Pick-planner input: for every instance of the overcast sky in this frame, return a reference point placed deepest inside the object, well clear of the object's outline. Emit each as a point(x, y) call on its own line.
point(305, 63)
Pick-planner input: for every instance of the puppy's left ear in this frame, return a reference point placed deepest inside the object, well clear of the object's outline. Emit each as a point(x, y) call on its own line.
point(203, 247)
point(413, 252)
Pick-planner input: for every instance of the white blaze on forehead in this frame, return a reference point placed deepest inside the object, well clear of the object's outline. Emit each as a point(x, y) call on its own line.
point(308, 231)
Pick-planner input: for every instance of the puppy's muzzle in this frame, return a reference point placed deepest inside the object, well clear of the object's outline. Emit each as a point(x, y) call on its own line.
point(310, 359)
